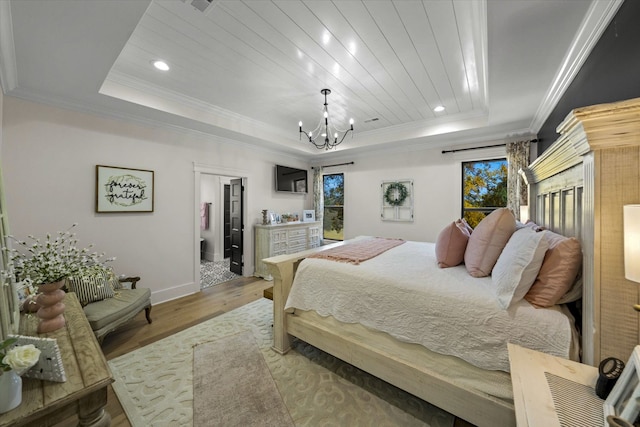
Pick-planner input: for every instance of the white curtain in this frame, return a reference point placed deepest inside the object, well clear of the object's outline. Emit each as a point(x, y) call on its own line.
point(517, 192)
point(318, 195)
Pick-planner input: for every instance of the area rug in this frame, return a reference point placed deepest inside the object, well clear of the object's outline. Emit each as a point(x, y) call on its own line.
point(155, 383)
point(232, 385)
point(215, 272)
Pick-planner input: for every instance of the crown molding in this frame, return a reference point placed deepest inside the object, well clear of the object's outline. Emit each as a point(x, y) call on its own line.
point(106, 113)
point(121, 82)
point(8, 69)
point(588, 129)
point(597, 19)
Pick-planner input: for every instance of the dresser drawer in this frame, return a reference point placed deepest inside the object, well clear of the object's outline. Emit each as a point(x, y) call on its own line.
point(297, 248)
point(279, 236)
point(279, 247)
point(296, 234)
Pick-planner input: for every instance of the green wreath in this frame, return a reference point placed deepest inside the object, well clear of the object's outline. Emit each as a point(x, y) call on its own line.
point(396, 199)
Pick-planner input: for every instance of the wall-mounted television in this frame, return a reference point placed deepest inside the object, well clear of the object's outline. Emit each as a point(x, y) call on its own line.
point(291, 180)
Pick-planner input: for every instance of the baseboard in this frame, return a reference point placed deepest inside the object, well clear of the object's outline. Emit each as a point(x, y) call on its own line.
point(174, 292)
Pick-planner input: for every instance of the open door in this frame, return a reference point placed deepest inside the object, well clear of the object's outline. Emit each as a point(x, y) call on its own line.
point(227, 222)
point(237, 227)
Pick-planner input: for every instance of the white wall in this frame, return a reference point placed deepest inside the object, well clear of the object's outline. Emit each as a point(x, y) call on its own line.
point(1, 109)
point(437, 184)
point(210, 193)
point(49, 156)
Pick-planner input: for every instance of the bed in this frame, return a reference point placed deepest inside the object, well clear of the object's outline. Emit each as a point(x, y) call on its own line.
point(398, 312)
point(567, 187)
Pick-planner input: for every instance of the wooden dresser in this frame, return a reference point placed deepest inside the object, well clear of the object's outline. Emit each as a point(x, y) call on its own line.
point(44, 403)
point(283, 239)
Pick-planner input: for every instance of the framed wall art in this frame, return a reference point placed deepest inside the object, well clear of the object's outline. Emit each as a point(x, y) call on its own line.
point(308, 215)
point(624, 400)
point(397, 200)
point(49, 366)
point(123, 189)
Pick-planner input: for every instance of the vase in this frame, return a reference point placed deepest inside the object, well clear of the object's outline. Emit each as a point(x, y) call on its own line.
point(10, 391)
point(30, 304)
point(50, 298)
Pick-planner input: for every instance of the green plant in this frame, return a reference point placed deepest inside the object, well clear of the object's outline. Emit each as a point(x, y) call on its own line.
point(51, 260)
point(396, 194)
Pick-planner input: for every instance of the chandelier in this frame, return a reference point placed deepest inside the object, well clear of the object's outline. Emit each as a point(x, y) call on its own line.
point(323, 129)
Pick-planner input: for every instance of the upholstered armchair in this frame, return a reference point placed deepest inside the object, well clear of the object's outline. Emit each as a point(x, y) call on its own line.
point(107, 302)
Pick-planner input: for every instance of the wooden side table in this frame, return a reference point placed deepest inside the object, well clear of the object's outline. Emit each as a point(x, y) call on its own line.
point(45, 403)
point(533, 397)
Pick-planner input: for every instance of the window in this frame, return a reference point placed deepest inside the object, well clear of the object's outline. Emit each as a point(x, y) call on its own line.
point(484, 188)
point(333, 206)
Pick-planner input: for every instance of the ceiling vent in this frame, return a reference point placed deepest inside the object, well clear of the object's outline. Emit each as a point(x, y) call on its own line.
point(201, 5)
point(375, 119)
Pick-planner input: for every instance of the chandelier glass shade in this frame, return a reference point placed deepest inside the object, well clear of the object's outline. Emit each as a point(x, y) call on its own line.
point(326, 130)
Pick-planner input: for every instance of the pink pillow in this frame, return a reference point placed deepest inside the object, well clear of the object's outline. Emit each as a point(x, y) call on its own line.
point(451, 244)
point(463, 224)
point(558, 272)
point(487, 241)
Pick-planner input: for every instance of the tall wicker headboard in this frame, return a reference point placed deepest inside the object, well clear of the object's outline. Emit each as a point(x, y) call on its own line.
point(578, 187)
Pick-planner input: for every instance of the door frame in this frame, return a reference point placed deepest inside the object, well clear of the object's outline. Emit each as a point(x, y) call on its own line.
point(247, 241)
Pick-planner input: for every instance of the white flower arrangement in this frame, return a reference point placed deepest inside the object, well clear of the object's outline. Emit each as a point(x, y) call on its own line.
point(50, 261)
point(19, 358)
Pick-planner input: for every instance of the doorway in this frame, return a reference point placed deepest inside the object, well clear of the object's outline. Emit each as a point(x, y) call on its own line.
point(219, 232)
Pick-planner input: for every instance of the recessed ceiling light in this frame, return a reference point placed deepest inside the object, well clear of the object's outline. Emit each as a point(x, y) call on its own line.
point(438, 108)
point(160, 65)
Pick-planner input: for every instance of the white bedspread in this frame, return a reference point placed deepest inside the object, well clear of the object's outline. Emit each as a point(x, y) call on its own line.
point(403, 292)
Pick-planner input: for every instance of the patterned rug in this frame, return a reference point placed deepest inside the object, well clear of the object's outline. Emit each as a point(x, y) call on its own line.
point(246, 394)
point(155, 383)
point(215, 272)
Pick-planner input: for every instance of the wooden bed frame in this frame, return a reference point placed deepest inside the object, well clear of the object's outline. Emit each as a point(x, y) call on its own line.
point(567, 194)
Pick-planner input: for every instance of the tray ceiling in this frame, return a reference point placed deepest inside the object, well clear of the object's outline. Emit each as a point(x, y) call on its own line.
point(248, 71)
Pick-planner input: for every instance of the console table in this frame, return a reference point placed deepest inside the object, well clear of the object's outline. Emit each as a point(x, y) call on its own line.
point(45, 403)
point(283, 239)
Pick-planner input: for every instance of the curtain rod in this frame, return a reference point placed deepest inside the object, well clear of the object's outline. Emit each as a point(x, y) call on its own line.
point(480, 148)
point(330, 166)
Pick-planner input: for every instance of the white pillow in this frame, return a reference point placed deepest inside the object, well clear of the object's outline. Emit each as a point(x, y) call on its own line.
point(518, 265)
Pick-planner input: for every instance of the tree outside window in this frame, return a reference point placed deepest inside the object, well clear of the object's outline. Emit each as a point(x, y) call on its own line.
point(484, 188)
point(333, 206)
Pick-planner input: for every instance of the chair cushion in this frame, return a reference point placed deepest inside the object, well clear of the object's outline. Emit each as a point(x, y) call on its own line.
point(126, 302)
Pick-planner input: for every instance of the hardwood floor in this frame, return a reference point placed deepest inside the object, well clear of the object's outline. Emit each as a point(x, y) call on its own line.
point(171, 317)
point(174, 316)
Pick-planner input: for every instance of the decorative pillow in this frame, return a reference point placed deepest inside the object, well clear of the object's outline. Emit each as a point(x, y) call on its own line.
point(518, 265)
point(573, 294)
point(487, 241)
point(558, 272)
point(451, 244)
point(533, 226)
point(463, 223)
point(91, 287)
point(112, 279)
